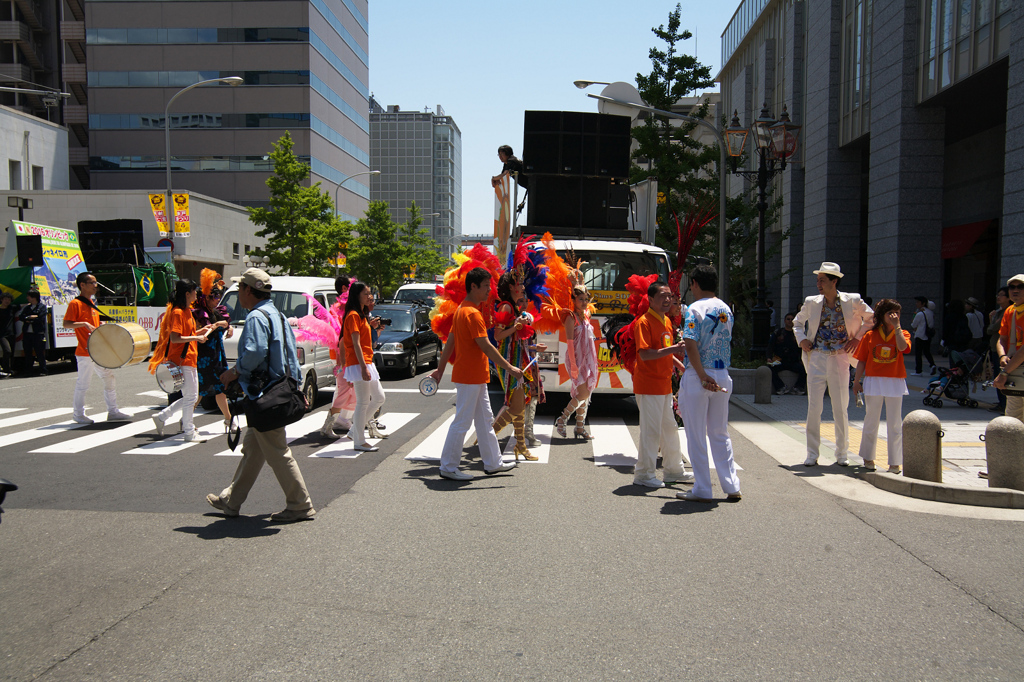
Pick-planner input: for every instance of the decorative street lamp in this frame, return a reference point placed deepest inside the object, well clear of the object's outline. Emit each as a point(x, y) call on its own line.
point(250, 260)
point(774, 142)
point(169, 212)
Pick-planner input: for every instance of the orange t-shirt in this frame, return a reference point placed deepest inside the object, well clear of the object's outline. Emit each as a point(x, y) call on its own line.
point(1004, 328)
point(880, 354)
point(183, 323)
point(653, 377)
point(470, 362)
point(355, 324)
point(80, 312)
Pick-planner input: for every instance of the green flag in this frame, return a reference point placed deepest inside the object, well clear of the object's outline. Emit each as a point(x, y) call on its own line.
point(145, 286)
point(16, 282)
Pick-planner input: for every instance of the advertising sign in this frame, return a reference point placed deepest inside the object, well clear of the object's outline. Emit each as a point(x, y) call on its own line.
point(62, 260)
point(182, 221)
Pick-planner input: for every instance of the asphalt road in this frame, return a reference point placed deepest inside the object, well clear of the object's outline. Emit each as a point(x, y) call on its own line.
point(112, 567)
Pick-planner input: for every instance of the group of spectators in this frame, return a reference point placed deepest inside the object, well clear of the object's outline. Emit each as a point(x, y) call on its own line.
point(33, 317)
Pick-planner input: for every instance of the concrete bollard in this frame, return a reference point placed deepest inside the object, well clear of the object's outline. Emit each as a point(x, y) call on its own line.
point(922, 446)
point(1004, 449)
point(763, 385)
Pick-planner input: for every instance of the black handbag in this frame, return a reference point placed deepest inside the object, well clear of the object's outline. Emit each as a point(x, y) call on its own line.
point(281, 403)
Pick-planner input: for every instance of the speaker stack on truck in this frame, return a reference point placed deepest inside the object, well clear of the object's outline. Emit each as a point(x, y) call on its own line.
point(577, 169)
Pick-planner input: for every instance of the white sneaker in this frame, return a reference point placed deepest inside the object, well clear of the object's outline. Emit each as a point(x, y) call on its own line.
point(188, 437)
point(160, 424)
point(507, 466)
point(684, 477)
point(456, 475)
point(533, 442)
point(811, 461)
point(651, 482)
point(82, 419)
point(118, 416)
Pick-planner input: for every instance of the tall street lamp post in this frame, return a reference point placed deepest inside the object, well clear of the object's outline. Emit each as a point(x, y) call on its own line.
point(337, 264)
point(169, 213)
point(774, 142)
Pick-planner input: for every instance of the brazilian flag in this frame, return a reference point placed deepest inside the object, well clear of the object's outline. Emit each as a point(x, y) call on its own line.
point(145, 286)
point(16, 282)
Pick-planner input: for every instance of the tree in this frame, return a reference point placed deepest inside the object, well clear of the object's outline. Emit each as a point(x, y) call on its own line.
point(300, 226)
point(376, 256)
point(422, 258)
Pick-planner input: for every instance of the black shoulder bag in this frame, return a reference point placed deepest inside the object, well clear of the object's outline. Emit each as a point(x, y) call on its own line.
point(281, 402)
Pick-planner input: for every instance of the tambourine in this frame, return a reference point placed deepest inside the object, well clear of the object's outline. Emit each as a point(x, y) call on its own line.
point(428, 386)
point(169, 377)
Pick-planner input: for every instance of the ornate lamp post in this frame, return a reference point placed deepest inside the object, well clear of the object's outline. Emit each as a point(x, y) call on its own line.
point(774, 142)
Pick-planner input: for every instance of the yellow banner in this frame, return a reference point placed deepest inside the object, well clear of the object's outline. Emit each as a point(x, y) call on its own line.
point(182, 225)
point(157, 201)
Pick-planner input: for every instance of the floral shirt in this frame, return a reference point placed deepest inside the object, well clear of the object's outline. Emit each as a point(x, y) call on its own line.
point(832, 328)
point(709, 323)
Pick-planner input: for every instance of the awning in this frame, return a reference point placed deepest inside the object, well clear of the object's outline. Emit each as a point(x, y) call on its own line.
point(958, 240)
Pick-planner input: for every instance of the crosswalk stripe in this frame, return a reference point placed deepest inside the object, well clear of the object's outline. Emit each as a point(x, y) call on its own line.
point(176, 443)
point(342, 448)
point(613, 443)
point(416, 390)
point(5, 410)
point(96, 438)
point(299, 429)
point(543, 429)
point(153, 394)
point(49, 430)
point(429, 449)
point(33, 416)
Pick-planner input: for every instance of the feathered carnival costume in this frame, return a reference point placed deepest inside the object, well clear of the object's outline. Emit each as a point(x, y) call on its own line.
point(452, 293)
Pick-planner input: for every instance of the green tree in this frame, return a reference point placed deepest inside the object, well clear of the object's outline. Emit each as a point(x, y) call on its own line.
point(376, 256)
point(300, 226)
point(421, 249)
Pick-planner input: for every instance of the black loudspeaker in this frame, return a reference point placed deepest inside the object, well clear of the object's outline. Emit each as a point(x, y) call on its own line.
point(30, 250)
point(576, 143)
point(574, 202)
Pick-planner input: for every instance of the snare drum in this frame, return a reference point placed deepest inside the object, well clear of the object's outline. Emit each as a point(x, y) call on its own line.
point(118, 345)
point(169, 377)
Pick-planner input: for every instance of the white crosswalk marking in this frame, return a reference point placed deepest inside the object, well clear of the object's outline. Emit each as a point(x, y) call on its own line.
point(5, 410)
point(342, 448)
point(429, 450)
point(176, 443)
point(543, 429)
point(96, 438)
point(299, 429)
point(613, 443)
point(153, 394)
point(50, 429)
point(416, 390)
point(33, 416)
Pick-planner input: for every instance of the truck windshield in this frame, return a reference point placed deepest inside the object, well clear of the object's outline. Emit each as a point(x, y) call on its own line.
point(290, 303)
point(610, 270)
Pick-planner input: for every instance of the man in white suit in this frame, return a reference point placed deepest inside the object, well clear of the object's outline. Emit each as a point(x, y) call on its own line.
point(828, 328)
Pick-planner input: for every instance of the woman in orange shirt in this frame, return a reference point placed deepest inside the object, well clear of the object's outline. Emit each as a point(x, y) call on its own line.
point(177, 345)
point(882, 377)
point(359, 368)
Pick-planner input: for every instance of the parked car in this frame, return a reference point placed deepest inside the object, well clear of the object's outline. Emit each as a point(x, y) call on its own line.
point(408, 341)
point(315, 359)
point(417, 292)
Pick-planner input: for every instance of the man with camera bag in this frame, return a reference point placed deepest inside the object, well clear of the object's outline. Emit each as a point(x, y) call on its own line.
point(266, 352)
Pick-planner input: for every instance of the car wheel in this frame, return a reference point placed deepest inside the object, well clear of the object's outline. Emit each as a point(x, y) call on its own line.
point(414, 361)
point(309, 389)
point(437, 356)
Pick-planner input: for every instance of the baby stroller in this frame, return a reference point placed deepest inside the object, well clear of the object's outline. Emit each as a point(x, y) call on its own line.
point(955, 382)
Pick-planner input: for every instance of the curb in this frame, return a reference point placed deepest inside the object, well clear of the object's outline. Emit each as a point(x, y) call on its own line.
point(942, 492)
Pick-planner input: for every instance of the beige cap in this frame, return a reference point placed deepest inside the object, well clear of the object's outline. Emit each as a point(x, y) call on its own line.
point(255, 279)
point(1019, 279)
point(828, 268)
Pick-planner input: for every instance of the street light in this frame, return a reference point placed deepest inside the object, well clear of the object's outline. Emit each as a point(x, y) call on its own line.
point(337, 259)
point(774, 142)
point(723, 260)
point(586, 84)
point(169, 212)
point(253, 261)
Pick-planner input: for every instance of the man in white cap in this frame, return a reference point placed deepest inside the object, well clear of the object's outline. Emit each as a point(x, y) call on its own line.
point(828, 328)
point(1011, 339)
point(266, 348)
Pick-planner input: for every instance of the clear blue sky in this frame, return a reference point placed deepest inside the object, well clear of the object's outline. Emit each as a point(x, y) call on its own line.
point(486, 63)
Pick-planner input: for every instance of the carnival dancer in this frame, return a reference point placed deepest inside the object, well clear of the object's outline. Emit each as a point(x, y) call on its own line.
point(512, 333)
point(83, 316)
point(212, 360)
point(581, 360)
point(882, 377)
point(178, 336)
point(359, 367)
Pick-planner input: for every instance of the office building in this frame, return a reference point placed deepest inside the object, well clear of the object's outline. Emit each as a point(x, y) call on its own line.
point(419, 155)
point(910, 173)
point(304, 68)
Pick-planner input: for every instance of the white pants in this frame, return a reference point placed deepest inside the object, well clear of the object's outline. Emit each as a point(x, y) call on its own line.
point(832, 371)
point(472, 406)
point(86, 367)
point(186, 404)
point(893, 424)
point(706, 416)
point(369, 397)
point(658, 430)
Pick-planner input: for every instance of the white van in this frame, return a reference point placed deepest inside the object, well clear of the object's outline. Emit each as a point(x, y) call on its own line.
point(422, 293)
point(315, 359)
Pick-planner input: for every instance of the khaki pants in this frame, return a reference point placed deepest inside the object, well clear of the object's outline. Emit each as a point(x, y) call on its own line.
point(270, 447)
point(1015, 407)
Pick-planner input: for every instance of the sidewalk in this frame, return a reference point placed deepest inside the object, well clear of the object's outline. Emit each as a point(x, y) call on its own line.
point(963, 452)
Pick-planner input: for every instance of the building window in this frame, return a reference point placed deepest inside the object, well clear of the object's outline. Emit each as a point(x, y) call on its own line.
point(958, 39)
point(37, 177)
point(14, 172)
point(234, 251)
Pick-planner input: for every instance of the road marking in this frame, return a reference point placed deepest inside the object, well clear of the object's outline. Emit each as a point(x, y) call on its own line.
point(32, 416)
point(343, 447)
point(543, 429)
point(97, 438)
point(429, 449)
point(50, 429)
point(5, 410)
point(613, 443)
point(153, 394)
point(176, 443)
point(299, 429)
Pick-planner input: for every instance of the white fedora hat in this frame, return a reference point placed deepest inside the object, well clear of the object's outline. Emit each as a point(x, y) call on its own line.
point(829, 269)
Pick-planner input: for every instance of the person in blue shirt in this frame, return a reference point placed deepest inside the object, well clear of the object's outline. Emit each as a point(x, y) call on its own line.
point(261, 361)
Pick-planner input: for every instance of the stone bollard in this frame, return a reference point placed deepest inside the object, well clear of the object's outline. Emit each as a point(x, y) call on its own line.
point(1004, 448)
point(922, 446)
point(763, 385)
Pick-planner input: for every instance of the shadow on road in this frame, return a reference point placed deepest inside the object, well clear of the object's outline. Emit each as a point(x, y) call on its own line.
point(431, 478)
point(240, 528)
point(683, 507)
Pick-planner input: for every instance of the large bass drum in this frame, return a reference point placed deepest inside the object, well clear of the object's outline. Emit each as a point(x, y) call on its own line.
point(118, 345)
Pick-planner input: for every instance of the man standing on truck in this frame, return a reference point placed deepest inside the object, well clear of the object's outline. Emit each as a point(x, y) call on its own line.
point(510, 164)
point(84, 317)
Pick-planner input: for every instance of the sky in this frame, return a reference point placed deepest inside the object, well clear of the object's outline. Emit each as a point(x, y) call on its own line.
point(486, 63)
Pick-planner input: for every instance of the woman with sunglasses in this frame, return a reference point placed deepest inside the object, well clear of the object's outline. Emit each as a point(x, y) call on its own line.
point(581, 359)
point(212, 360)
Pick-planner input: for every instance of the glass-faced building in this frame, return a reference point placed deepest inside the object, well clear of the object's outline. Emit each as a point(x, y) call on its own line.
point(419, 155)
point(910, 173)
point(304, 67)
